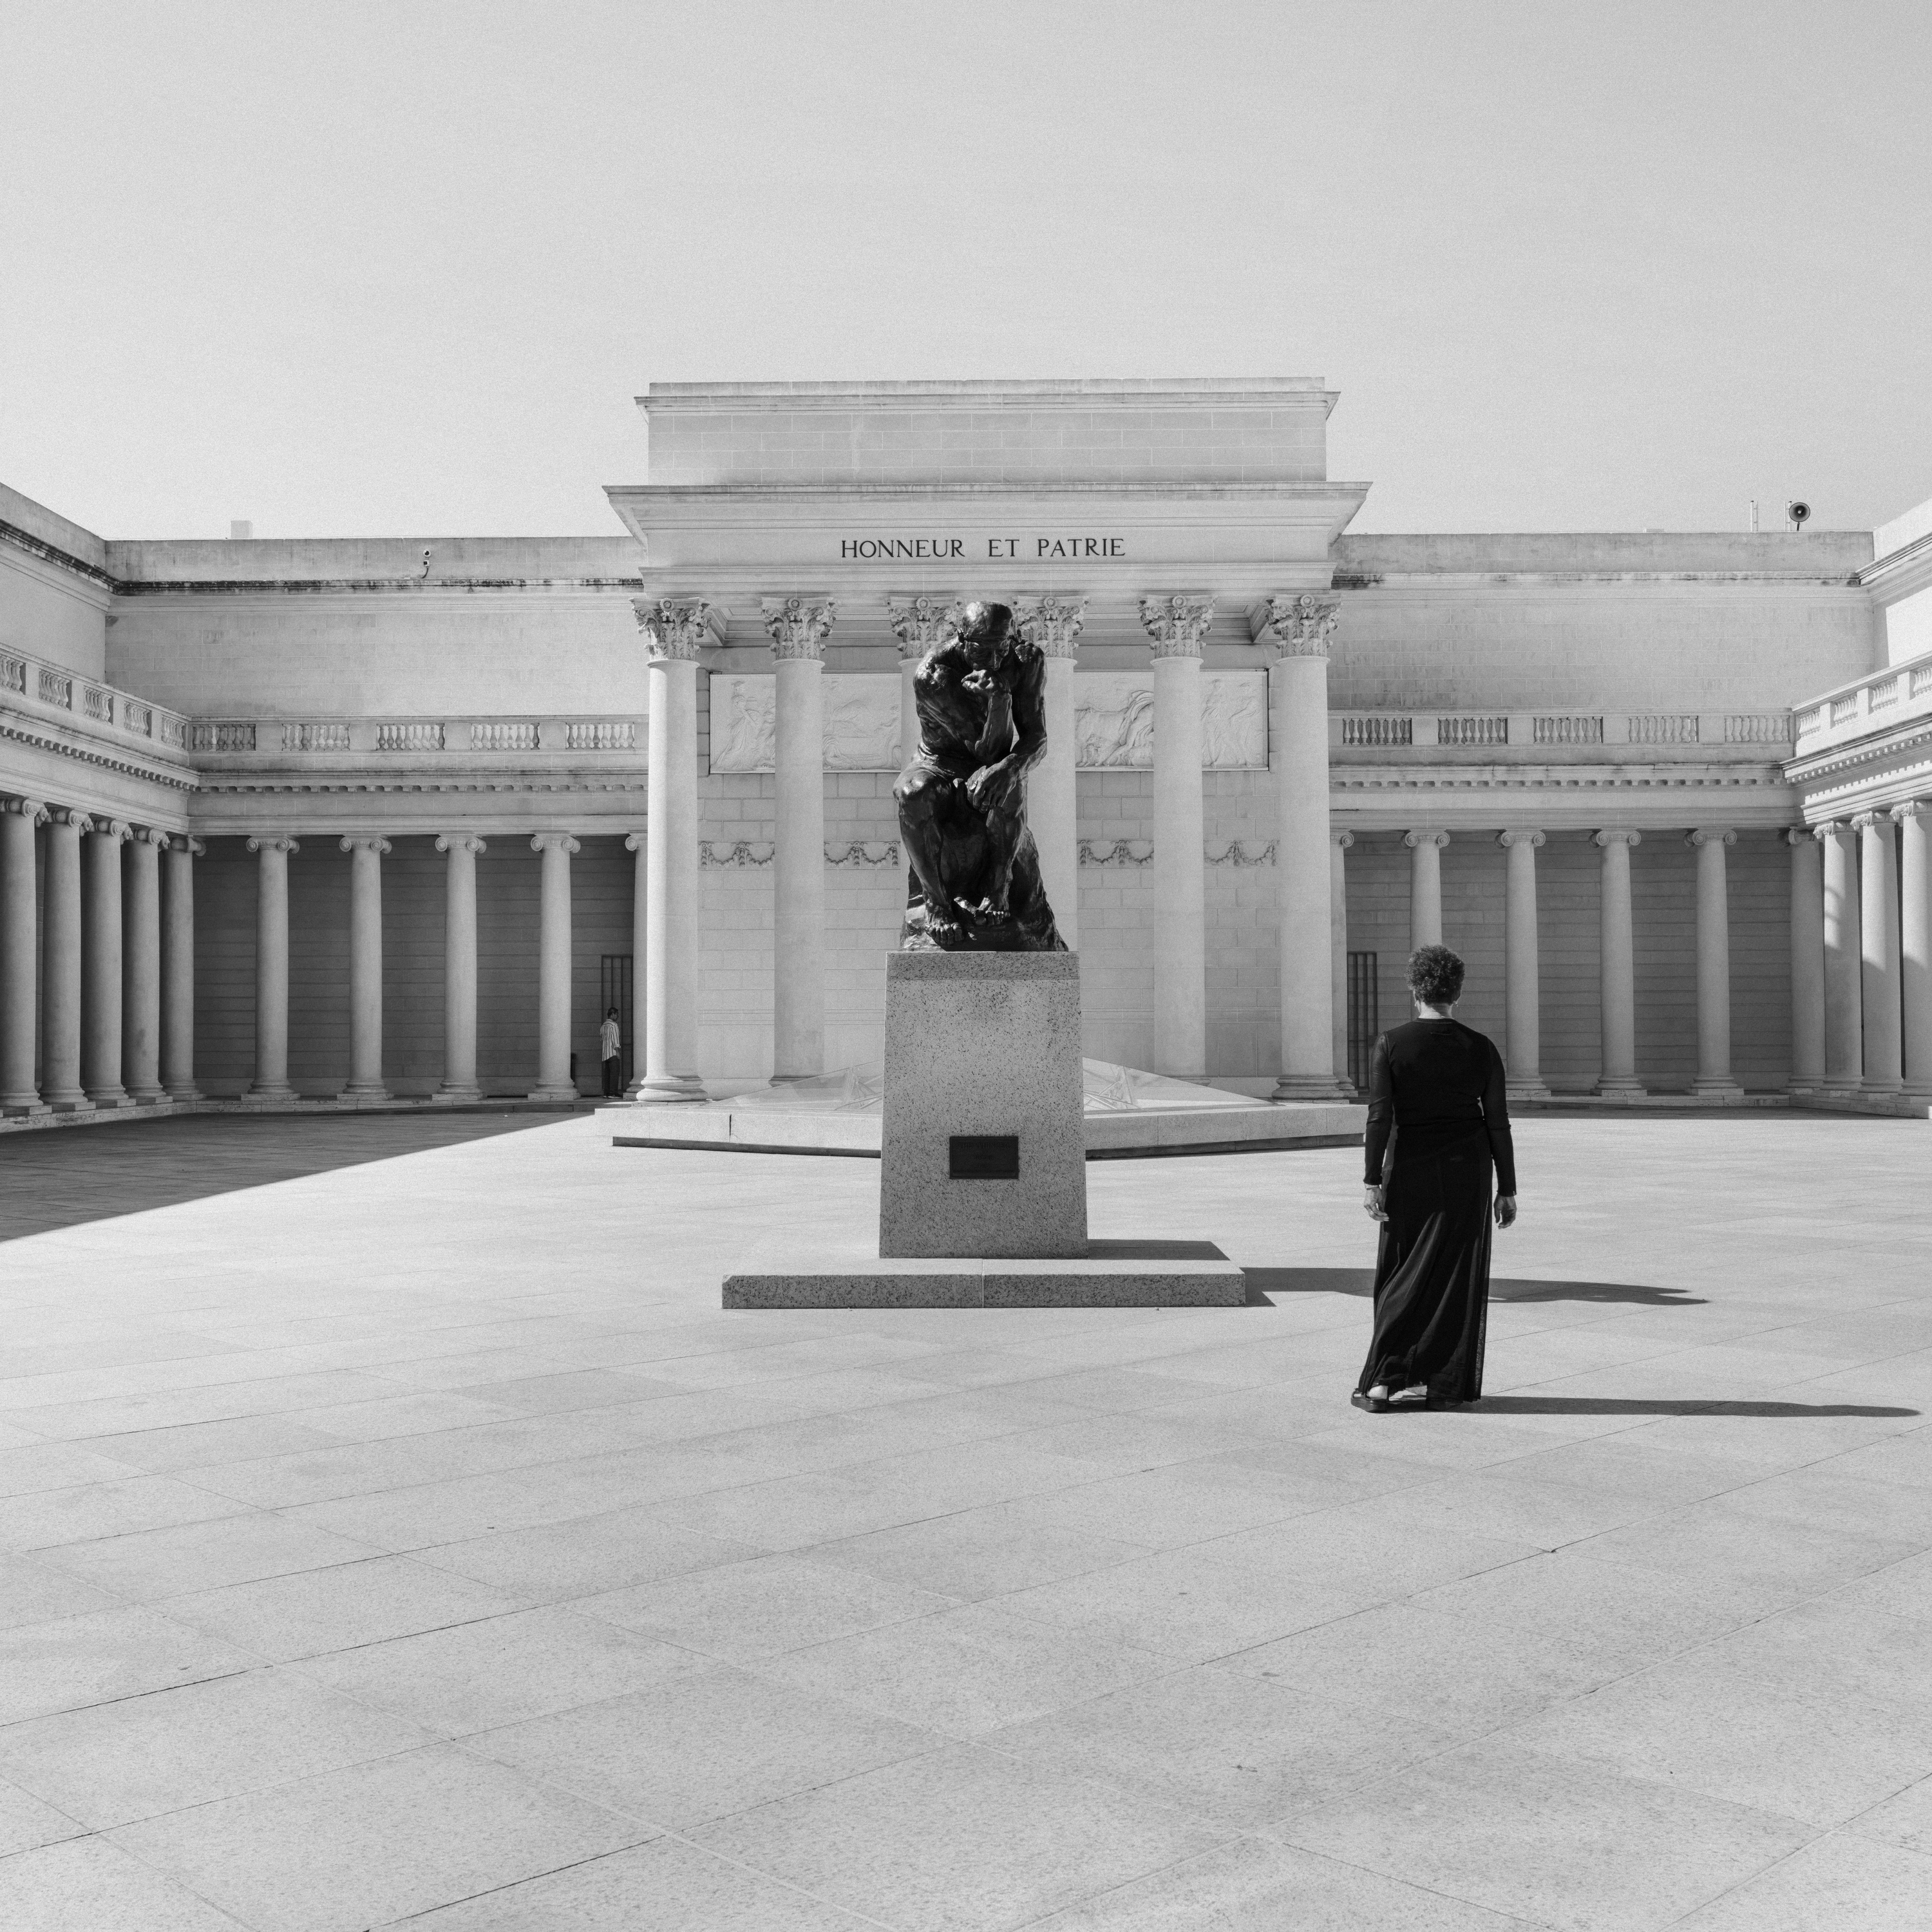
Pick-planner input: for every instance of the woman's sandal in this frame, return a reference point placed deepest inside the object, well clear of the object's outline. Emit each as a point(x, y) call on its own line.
point(1416, 1396)
point(1376, 1405)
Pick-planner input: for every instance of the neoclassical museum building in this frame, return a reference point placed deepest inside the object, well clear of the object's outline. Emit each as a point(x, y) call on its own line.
point(356, 822)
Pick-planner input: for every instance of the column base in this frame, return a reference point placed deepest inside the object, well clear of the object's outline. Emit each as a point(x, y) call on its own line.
point(659, 1089)
point(372, 1090)
point(456, 1095)
point(542, 1092)
point(1619, 1090)
point(147, 1096)
point(1309, 1087)
point(23, 1106)
point(1881, 1089)
point(110, 1097)
point(268, 1089)
point(69, 1103)
point(1717, 1089)
point(182, 1093)
point(1521, 1091)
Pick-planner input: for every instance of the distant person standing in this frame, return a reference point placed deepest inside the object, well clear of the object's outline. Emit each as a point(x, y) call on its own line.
point(611, 1045)
point(1438, 1131)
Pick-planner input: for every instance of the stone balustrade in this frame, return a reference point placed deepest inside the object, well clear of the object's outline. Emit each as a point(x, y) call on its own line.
point(1899, 694)
point(1542, 733)
point(62, 696)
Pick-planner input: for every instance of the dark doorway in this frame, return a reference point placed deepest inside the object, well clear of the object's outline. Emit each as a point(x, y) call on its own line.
point(616, 985)
point(1364, 1017)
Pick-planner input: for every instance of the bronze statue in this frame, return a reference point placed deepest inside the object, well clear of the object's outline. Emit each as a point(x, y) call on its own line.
point(973, 870)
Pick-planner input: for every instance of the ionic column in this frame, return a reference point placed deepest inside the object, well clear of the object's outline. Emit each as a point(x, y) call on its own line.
point(1807, 963)
point(141, 1002)
point(1313, 952)
point(1178, 626)
point(1844, 1002)
point(101, 965)
point(553, 1080)
point(60, 997)
point(1878, 946)
point(459, 967)
point(1617, 938)
point(1339, 845)
point(271, 967)
point(1714, 1080)
point(1914, 942)
point(797, 626)
point(177, 971)
point(639, 843)
point(365, 967)
point(1523, 1012)
point(1425, 887)
point(673, 632)
point(20, 969)
point(1053, 624)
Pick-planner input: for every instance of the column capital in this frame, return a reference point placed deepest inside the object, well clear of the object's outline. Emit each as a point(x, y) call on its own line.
point(636, 841)
point(554, 841)
point(919, 623)
point(1178, 626)
point(118, 831)
point(1868, 821)
point(1796, 835)
point(183, 842)
point(1831, 829)
point(675, 627)
point(1052, 625)
point(32, 809)
point(65, 814)
point(370, 841)
point(1299, 626)
point(1424, 837)
point(273, 842)
point(1913, 807)
point(797, 625)
point(1711, 835)
point(1343, 839)
point(1617, 834)
point(1520, 835)
point(460, 842)
point(152, 835)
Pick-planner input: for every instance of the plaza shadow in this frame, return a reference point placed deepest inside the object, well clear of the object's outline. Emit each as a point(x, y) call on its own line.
point(64, 1177)
point(1264, 1283)
point(1604, 1405)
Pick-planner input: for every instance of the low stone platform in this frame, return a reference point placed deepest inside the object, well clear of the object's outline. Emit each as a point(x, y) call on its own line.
point(1144, 1132)
point(1111, 1274)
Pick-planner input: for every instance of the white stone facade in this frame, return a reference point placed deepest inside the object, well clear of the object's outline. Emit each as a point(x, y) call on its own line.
point(394, 818)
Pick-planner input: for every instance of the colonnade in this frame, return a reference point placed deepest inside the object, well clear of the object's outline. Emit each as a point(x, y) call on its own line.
point(103, 992)
point(1860, 938)
point(1295, 630)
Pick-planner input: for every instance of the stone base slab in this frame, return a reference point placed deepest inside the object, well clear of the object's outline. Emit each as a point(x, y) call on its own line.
point(1111, 1274)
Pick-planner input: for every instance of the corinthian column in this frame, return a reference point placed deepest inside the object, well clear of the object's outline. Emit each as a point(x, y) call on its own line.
point(672, 631)
point(141, 1003)
point(638, 843)
point(553, 1080)
point(1425, 887)
point(1807, 963)
point(178, 972)
point(100, 966)
point(1914, 942)
point(1616, 932)
point(1178, 626)
point(1844, 1003)
point(365, 967)
point(272, 968)
point(1522, 1024)
point(459, 967)
point(917, 623)
point(797, 626)
point(1053, 624)
point(61, 998)
point(1309, 877)
point(1878, 946)
point(1714, 1080)
point(19, 970)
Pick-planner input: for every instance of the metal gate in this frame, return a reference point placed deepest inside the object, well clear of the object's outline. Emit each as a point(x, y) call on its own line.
point(615, 982)
point(1364, 1017)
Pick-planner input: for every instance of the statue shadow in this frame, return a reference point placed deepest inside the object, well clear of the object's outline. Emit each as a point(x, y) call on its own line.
point(1604, 1404)
point(1264, 1284)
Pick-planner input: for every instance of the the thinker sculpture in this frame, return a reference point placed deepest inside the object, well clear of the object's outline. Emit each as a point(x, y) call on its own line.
point(974, 882)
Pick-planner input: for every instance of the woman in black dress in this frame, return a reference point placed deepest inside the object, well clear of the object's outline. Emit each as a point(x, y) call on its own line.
point(1438, 1131)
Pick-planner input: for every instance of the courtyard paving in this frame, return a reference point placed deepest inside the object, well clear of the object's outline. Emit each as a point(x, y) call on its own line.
point(415, 1542)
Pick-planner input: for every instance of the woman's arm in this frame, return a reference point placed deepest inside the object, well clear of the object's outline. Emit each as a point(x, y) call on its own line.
point(1502, 1145)
point(1381, 1120)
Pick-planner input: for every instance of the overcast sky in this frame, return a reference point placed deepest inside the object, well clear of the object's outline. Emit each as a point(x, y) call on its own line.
point(400, 268)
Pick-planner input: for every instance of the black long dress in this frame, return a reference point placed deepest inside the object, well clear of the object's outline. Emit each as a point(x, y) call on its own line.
point(1439, 1128)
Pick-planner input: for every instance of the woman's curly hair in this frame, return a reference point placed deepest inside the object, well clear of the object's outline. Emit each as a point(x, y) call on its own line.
point(1436, 976)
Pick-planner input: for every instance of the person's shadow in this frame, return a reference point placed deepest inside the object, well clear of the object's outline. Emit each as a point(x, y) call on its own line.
point(1265, 1284)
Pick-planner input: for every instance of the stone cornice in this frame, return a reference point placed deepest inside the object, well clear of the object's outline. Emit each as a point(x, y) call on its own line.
point(47, 553)
point(413, 586)
point(1881, 744)
point(1901, 572)
point(23, 730)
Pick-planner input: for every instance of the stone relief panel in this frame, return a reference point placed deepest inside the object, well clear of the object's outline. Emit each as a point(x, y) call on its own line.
point(862, 722)
point(1113, 719)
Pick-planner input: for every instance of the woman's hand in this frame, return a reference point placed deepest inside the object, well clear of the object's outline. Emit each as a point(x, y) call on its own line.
point(1505, 1210)
point(1372, 1203)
